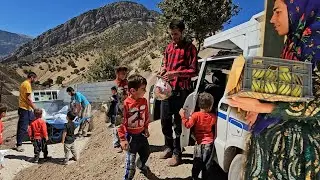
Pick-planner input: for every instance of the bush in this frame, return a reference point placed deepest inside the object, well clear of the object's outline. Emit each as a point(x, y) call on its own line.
point(82, 69)
point(60, 80)
point(41, 68)
point(59, 68)
point(72, 64)
point(145, 64)
point(103, 68)
point(48, 82)
point(76, 71)
point(87, 59)
point(153, 55)
point(64, 68)
point(25, 71)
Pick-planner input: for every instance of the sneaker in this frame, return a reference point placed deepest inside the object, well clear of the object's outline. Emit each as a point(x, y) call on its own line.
point(47, 158)
point(84, 134)
point(36, 160)
point(144, 170)
point(174, 161)
point(65, 162)
point(167, 153)
point(118, 149)
point(112, 126)
point(74, 158)
point(19, 148)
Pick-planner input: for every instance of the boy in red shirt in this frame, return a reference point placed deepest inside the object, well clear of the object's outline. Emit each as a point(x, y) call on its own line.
point(3, 111)
point(133, 131)
point(203, 121)
point(39, 136)
point(122, 87)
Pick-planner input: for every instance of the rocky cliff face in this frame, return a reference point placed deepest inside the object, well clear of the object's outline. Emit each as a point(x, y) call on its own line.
point(9, 42)
point(91, 22)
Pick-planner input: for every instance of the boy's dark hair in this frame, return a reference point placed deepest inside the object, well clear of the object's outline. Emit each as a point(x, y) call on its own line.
point(121, 68)
point(70, 89)
point(136, 81)
point(3, 108)
point(38, 113)
point(114, 88)
point(71, 115)
point(177, 24)
point(32, 75)
point(205, 100)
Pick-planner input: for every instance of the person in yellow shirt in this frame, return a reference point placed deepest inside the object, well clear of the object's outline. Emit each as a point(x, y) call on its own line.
point(25, 110)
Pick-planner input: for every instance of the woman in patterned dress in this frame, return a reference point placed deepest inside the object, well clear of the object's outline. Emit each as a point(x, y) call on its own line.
point(285, 140)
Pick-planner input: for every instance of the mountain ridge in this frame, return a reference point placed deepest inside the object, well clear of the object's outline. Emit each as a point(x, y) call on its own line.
point(10, 41)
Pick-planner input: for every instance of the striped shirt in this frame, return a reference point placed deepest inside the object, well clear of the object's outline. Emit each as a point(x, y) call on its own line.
point(183, 58)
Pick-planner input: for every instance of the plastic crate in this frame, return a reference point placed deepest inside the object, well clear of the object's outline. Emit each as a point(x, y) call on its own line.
point(274, 79)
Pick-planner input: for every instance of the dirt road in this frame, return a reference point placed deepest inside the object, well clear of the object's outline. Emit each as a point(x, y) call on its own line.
point(99, 161)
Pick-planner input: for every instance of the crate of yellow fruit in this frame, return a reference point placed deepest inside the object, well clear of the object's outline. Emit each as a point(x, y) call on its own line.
point(270, 79)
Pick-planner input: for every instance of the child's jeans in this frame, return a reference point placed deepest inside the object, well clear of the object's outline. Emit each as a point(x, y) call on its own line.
point(67, 148)
point(202, 161)
point(116, 139)
point(138, 143)
point(40, 145)
point(113, 119)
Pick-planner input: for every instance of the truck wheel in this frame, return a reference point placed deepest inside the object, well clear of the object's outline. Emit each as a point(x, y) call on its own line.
point(236, 168)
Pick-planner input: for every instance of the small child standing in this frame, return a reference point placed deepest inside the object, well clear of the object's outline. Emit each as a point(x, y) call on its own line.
point(203, 122)
point(38, 135)
point(133, 131)
point(113, 110)
point(3, 111)
point(122, 86)
point(68, 138)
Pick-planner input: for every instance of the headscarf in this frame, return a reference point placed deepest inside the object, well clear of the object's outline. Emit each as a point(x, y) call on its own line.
point(302, 44)
point(303, 39)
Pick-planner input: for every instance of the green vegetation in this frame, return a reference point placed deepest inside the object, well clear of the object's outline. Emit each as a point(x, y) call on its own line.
point(145, 64)
point(60, 80)
point(202, 18)
point(103, 68)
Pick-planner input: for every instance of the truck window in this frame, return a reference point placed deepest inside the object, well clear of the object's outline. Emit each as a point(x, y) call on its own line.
point(213, 80)
point(224, 107)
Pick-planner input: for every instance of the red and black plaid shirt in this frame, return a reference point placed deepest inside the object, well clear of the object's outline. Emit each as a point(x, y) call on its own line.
point(183, 58)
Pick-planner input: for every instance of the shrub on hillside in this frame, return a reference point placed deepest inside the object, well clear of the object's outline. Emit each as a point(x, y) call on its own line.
point(153, 55)
point(82, 69)
point(145, 64)
point(60, 80)
point(103, 68)
point(48, 82)
point(72, 64)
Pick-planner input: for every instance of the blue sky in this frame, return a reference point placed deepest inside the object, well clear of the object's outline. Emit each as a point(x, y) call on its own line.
point(32, 17)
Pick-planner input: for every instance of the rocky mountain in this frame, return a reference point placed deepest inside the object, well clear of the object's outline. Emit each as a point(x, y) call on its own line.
point(89, 23)
point(65, 54)
point(9, 42)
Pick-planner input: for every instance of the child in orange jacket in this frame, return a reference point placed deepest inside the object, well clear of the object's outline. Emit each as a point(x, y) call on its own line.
point(3, 111)
point(203, 122)
point(39, 136)
point(133, 132)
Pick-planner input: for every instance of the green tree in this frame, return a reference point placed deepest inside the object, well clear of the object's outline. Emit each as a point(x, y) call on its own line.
point(202, 17)
point(103, 68)
point(145, 64)
point(60, 80)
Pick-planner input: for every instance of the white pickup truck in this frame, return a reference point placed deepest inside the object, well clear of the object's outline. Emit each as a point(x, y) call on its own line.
point(230, 131)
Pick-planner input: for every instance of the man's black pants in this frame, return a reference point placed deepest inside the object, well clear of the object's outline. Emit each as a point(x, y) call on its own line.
point(170, 118)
